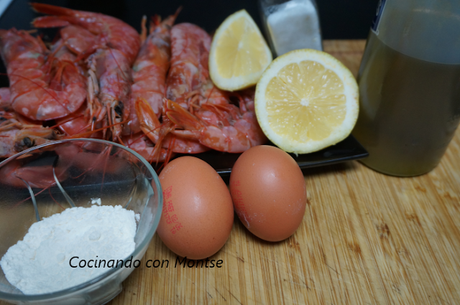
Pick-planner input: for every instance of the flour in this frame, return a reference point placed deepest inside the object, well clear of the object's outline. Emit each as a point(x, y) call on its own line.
point(97, 201)
point(40, 263)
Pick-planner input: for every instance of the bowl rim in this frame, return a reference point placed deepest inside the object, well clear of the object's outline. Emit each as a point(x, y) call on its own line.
point(112, 271)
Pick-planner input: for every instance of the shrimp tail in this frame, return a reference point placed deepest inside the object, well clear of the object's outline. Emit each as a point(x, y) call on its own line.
point(180, 116)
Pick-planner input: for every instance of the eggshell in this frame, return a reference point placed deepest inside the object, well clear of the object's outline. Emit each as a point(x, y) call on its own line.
point(197, 214)
point(268, 191)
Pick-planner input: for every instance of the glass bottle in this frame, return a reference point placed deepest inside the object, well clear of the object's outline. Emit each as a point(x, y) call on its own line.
point(291, 25)
point(409, 82)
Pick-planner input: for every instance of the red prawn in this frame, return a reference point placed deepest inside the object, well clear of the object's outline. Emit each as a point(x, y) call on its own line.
point(226, 128)
point(110, 32)
point(109, 66)
point(28, 68)
point(150, 69)
point(189, 62)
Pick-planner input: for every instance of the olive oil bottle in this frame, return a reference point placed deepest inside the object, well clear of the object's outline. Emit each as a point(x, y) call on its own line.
point(409, 98)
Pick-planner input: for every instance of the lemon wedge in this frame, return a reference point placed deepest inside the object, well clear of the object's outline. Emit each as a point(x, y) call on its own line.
point(306, 100)
point(239, 53)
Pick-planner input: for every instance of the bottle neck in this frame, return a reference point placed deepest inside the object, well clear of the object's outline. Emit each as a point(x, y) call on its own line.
point(427, 30)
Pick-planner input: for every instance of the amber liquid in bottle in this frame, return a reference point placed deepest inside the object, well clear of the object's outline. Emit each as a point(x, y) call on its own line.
point(409, 110)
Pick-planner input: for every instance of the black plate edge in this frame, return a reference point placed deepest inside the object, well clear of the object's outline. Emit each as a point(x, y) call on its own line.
point(347, 150)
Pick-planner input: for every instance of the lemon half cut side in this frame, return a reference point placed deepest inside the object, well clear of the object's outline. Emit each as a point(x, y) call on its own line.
point(306, 100)
point(239, 53)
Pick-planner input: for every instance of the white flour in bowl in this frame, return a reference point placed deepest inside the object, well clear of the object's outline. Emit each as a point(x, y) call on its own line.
point(40, 263)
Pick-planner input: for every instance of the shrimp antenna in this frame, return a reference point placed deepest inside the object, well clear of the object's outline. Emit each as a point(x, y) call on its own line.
point(179, 9)
point(143, 34)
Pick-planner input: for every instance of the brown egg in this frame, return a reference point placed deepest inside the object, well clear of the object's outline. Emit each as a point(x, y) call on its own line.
point(268, 191)
point(197, 212)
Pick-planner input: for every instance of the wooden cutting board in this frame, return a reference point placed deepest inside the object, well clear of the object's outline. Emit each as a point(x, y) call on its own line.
point(366, 238)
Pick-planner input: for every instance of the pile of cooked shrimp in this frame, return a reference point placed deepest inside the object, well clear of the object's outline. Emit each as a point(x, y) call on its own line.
point(100, 78)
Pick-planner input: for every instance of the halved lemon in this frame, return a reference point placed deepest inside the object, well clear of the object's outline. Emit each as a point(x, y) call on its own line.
point(306, 100)
point(239, 53)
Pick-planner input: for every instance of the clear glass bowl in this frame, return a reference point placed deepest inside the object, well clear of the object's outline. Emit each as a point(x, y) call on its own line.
point(46, 179)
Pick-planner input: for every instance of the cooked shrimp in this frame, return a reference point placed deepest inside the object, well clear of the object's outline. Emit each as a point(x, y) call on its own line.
point(17, 134)
point(79, 40)
point(189, 88)
point(190, 47)
point(161, 133)
point(112, 71)
point(224, 128)
point(150, 69)
point(17, 174)
point(29, 74)
point(115, 51)
point(141, 144)
point(110, 31)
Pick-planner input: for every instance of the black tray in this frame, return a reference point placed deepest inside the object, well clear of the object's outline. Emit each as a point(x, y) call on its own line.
point(347, 150)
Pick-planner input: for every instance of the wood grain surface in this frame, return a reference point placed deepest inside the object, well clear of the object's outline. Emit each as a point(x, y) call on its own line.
point(366, 238)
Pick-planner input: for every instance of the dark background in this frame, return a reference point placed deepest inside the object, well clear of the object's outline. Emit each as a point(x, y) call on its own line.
point(340, 19)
